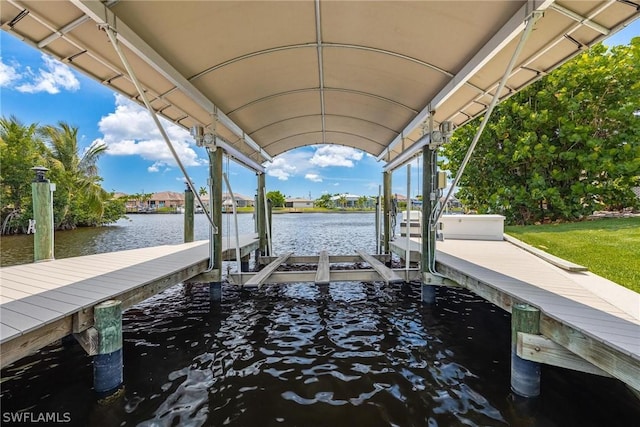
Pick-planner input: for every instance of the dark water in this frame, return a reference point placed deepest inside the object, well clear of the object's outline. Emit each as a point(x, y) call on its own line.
point(347, 354)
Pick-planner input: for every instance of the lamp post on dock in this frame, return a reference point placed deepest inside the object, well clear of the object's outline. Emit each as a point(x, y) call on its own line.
point(42, 195)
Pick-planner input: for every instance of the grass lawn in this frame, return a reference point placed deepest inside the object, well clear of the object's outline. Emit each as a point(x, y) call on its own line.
point(608, 247)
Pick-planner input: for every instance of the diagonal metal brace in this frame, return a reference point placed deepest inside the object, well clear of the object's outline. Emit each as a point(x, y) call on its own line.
point(111, 33)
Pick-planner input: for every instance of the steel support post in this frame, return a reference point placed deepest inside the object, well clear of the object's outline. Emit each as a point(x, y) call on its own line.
point(261, 220)
point(428, 229)
point(386, 188)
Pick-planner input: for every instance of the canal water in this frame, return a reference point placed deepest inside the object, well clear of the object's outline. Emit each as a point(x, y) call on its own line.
point(347, 354)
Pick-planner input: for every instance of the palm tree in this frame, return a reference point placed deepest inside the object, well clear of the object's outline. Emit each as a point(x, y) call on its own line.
point(77, 172)
point(146, 198)
point(202, 191)
point(362, 201)
point(20, 150)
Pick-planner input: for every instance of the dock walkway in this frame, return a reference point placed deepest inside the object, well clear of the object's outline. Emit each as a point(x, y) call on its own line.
point(43, 302)
point(590, 316)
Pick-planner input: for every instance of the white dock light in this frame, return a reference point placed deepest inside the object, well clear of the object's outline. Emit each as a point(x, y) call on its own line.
point(197, 132)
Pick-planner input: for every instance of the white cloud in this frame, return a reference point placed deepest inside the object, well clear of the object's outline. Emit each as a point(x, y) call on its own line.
point(8, 74)
point(130, 131)
point(52, 77)
point(335, 155)
point(305, 161)
point(313, 177)
point(281, 167)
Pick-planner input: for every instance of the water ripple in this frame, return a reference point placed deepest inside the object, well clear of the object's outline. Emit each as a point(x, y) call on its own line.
point(347, 354)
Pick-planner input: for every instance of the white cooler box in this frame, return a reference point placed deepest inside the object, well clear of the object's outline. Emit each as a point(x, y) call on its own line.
point(473, 227)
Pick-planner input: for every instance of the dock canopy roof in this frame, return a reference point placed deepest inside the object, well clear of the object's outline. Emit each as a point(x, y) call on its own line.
point(271, 76)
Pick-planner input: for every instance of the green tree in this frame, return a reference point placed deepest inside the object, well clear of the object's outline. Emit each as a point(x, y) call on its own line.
point(565, 146)
point(324, 201)
point(20, 150)
point(362, 201)
point(146, 199)
point(343, 200)
point(277, 198)
point(78, 191)
point(136, 197)
point(114, 209)
point(202, 191)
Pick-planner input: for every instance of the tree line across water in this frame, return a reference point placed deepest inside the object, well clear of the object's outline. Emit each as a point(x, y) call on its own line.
point(567, 145)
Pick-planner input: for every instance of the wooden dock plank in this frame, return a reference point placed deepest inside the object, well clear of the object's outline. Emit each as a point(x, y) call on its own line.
point(322, 273)
point(559, 262)
point(20, 290)
point(8, 331)
point(39, 300)
point(38, 312)
point(55, 305)
point(387, 275)
point(60, 280)
point(542, 350)
point(19, 321)
point(61, 287)
point(603, 330)
point(263, 275)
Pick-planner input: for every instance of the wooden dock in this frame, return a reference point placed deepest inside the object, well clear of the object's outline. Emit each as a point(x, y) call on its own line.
point(43, 302)
point(587, 323)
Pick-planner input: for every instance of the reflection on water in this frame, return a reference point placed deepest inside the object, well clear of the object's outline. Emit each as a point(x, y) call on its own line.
point(346, 354)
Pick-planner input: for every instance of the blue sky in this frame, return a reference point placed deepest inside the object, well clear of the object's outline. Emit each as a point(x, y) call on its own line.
point(38, 89)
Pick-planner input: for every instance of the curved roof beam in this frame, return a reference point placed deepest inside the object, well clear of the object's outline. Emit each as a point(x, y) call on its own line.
point(315, 46)
point(101, 14)
point(315, 89)
point(327, 115)
point(63, 33)
point(320, 67)
point(580, 19)
point(539, 74)
point(500, 39)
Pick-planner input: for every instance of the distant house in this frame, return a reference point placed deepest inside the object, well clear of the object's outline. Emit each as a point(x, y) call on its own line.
point(242, 201)
point(346, 200)
point(400, 198)
point(166, 199)
point(298, 203)
point(130, 204)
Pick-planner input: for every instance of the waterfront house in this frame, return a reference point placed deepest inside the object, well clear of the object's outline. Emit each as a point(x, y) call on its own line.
point(166, 199)
point(298, 203)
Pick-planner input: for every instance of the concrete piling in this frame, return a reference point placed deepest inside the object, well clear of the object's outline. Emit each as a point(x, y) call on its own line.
point(107, 364)
point(525, 374)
